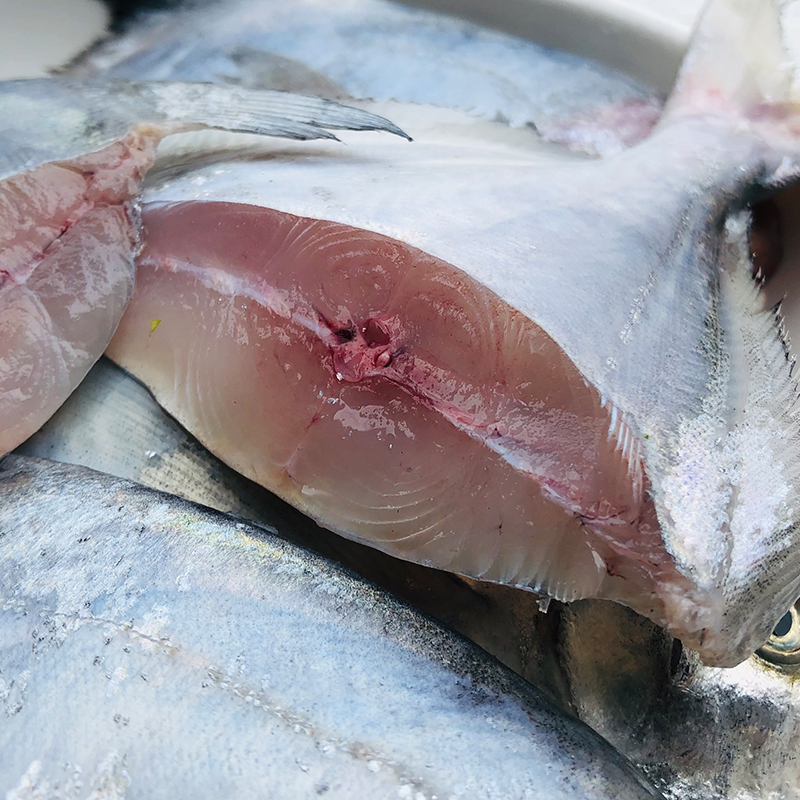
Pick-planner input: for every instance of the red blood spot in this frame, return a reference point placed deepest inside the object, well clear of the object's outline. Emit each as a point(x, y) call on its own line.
point(375, 335)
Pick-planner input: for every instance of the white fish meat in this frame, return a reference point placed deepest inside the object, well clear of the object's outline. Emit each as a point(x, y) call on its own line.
point(552, 373)
point(72, 158)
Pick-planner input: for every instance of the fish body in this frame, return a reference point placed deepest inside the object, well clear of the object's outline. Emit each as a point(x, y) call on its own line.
point(179, 651)
point(579, 342)
point(696, 731)
point(434, 317)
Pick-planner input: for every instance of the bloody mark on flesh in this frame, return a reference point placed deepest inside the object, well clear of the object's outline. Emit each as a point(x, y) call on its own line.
point(111, 178)
point(375, 334)
point(365, 350)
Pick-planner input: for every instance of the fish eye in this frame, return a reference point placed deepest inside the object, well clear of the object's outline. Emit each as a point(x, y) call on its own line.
point(783, 646)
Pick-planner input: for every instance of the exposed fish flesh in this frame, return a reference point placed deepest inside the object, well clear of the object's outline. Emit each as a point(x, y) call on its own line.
point(149, 647)
point(72, 158)
point(552, 373)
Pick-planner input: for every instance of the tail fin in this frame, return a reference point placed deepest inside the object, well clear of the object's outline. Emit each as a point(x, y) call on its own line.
point(743, 59)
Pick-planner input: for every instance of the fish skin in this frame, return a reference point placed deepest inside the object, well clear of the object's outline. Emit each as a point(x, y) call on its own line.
point(72, 158)
point(696, 731)
point(639, 239)
point(149, 618)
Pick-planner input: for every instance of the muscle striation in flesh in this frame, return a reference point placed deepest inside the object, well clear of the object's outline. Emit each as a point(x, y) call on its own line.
point(391, 396)
point(73, 155)
point(487, 356)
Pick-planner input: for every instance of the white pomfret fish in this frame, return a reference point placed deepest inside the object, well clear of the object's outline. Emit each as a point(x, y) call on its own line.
point(534, 369)
point(548, 372)
point(153, 648)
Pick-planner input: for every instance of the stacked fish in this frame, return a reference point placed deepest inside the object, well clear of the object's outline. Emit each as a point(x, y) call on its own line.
point(527, 349)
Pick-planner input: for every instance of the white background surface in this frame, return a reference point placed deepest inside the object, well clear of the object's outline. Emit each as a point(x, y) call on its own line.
point(37, 35)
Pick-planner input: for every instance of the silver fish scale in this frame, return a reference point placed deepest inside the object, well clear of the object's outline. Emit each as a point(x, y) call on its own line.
point(189, 653)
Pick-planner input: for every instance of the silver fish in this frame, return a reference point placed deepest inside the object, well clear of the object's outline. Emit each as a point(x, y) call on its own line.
point(697, 731)
point(653, 460)
point(149, 648)
point(112, 424)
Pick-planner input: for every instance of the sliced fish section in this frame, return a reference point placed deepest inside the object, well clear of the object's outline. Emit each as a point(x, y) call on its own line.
point(393, 399)
point(637, 267)
point(72, 158)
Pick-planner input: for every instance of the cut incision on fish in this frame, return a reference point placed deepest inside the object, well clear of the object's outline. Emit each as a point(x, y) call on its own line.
point(548, 372)
point(72, 158)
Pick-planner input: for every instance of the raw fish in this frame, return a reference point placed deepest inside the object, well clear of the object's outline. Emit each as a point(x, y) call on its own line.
point(72, 158)
point(112, 424)
point(698, 732)
point(152, 648)
point(483, 356)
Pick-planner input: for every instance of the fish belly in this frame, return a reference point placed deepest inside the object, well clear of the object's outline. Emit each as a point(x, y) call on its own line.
point(68, 236)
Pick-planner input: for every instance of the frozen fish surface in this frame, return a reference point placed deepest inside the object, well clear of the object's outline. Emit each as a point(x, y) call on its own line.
point(179, 652)
point(552, 372)
point(72, 158)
